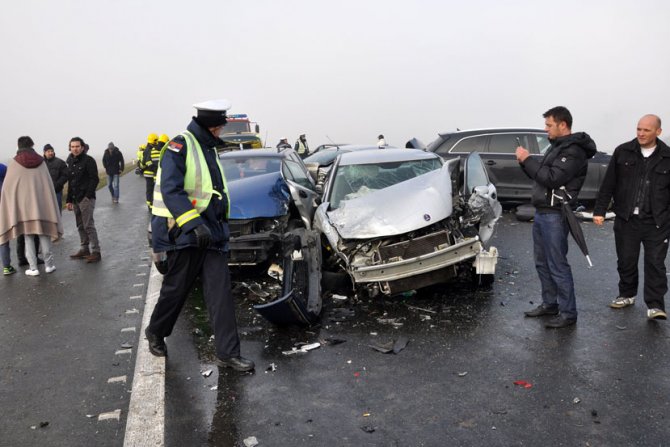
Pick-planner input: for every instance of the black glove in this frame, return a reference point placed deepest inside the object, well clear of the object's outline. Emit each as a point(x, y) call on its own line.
point(203, 235)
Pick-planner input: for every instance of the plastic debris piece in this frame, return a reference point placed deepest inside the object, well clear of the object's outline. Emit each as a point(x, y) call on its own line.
point(373, 333)
point(425, 317)
point(365, 415)
point(400, 344)
point(256, 289)
point(422, 309)
point(576, 400)
point(339, 297)
point(303, 349)
point(368, 429)
point(384, 348)
point(206, 373)
point(276, 271)
point(331, 341)
point(251, 441)
point(522, 383)
point(214, 388)
point(462, 374)
point(271, 368)
point(90, 416)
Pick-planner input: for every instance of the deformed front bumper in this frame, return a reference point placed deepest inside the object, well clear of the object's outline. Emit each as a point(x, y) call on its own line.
point(405, 268)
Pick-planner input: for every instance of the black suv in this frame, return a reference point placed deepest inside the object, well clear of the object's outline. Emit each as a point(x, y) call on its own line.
point(497, 149)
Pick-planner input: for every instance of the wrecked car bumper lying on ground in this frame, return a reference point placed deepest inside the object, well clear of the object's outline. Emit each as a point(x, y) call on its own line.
point(401, 220)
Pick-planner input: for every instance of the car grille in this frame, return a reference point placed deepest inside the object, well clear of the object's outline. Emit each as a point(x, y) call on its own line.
point(240, 227)
point(414, 247)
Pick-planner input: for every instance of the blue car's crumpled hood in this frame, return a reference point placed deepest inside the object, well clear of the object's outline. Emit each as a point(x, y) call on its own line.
point(265, 195)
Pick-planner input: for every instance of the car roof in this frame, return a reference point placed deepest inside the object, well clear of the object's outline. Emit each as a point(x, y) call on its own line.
point(492, 130)
point(383, 156)
point(255, 153)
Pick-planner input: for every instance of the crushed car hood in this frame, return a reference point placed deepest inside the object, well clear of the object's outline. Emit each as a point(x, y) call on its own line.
point(265, 195)
point(398, 209)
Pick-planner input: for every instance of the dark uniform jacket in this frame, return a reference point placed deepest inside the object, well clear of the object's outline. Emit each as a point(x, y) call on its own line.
point(113, 161)
point(150, 158)
point(173, 169)
point(83, 179)
point(58, 171)
point(622, 182)
point(564, 164)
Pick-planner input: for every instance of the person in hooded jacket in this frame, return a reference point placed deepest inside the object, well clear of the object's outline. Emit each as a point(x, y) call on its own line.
point(638, 179)
point(563, 167)
point(28, 205)
point(58, 171)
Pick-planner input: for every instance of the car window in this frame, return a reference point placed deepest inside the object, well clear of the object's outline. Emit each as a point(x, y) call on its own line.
point(475, 174)
point(293, 171)
point(352, 181)
point(506, 143)
point(542, 142)
point(470, 144)
point(245, 167)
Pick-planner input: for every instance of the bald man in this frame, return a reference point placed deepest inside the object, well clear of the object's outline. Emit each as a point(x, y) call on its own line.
point(638, 179)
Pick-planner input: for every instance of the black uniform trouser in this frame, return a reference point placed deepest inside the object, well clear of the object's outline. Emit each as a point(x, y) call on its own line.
point(184, 266)
point(628, 236)
point(150, 190)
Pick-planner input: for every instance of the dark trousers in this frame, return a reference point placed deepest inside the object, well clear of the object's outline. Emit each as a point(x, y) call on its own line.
point(628, 237)
point(184, 266)
point(150, 190)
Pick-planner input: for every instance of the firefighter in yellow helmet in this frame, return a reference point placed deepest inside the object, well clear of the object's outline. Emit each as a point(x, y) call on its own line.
point(163, 139)
point(150, 165)
point(140, 154)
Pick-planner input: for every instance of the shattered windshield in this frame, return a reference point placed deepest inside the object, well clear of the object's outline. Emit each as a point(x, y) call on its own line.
point(354, 181)
point(245, 167)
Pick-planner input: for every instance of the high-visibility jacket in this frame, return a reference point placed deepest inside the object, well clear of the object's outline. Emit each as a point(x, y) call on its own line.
point(197, 184)
point(150, 159)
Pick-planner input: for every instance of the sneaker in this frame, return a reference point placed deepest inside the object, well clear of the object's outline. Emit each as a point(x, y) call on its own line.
point(31, 272)
point(622, 301)
point(50, 269)
point(656, 314)
point(8, 270)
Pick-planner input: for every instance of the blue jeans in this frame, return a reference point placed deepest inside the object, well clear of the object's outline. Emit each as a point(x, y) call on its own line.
point(550, 242)
point(5, 255)
point(59, 199)
point(113, 185)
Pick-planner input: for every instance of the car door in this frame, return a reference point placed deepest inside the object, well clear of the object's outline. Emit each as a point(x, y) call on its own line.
point(503, 168)
point(303, 190)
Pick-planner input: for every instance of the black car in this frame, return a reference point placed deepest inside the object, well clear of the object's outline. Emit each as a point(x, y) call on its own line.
point(497, 149)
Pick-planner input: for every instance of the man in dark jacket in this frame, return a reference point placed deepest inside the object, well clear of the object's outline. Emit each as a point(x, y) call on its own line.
point(190, 223)
point(561, 170)
point(638, 179)
point(58, 171)
point(83, 182)
point(113, 163)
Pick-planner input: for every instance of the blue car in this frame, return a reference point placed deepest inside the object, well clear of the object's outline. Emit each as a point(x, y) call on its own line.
point(272, 203)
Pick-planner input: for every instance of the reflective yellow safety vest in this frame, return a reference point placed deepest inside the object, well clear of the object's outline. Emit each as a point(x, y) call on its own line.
point(197, 183)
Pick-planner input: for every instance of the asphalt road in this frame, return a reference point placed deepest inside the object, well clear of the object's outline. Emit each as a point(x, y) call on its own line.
point(66, 368)
point(603, 382)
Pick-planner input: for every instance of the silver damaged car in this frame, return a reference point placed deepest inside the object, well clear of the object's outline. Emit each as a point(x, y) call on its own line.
point(402, 219)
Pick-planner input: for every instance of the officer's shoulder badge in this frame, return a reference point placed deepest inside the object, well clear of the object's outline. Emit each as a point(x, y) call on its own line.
point(176, 144)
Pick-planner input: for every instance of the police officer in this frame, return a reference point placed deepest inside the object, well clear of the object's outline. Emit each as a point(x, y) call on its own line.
point(190, 224)
point(301, 146)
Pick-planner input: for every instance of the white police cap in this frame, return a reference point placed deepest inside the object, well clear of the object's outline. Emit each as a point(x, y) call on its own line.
point(213, 105)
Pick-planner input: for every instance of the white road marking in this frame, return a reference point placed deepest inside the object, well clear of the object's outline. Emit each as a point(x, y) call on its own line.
point(119, 379)
point(146, 412)
point(123, 351)
point(128, 329)
point(132, 311)
point(141, 274)
point(136, 297)
point(116, 414)
point(138, 285)
point(143, 265)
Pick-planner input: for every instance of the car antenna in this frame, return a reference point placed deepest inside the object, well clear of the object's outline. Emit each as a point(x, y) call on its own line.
point(265, 143)
point(334, 143)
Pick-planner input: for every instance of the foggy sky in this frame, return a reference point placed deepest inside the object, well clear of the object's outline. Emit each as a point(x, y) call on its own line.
point(345, 71)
